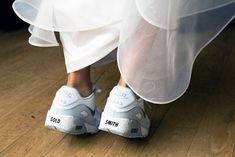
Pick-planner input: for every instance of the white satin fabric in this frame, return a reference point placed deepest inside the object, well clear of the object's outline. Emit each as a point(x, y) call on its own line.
point(159, 39)
point(84, 48)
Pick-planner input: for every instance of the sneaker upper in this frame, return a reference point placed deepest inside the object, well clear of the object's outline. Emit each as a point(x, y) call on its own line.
point(72, 113)
point(68, 97)
point(123, 103)
point(69, 102)
point(124, 114)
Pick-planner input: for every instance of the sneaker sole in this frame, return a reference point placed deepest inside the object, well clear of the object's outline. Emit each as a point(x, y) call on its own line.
point(123, 127)
point(69, 124)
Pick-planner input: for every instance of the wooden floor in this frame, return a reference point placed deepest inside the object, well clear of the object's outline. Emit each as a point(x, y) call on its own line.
point(199, 124)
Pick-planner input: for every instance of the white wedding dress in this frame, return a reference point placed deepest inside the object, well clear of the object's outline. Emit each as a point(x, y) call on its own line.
point(159, 39)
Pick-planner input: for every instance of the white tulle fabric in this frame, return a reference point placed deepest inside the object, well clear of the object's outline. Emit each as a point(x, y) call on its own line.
point(159, 39)
point(72, 15)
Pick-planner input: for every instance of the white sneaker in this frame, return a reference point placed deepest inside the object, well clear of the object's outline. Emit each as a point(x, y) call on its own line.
point(71, 113)
point(124, 114)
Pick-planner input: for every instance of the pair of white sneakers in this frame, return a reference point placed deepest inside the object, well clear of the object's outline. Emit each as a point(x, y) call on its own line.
point(123, 114)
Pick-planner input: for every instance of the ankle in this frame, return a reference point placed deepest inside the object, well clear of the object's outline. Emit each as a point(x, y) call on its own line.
point(81, 81)
point(122, 83)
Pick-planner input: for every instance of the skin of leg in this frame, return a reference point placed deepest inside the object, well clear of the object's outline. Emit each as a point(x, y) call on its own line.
point(81, 81)
point(121, 82)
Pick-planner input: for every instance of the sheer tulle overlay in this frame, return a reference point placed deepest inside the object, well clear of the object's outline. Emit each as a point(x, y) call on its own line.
point(47, 16)
point(159, 39)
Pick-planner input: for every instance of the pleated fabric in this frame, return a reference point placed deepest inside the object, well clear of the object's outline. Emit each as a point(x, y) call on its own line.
point(159, 39)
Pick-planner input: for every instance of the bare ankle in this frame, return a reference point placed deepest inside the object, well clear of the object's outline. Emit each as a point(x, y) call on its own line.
point(81, 81)
point(122, 83)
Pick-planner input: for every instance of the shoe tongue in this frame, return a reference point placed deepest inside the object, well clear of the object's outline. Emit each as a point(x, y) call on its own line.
point(123, 95)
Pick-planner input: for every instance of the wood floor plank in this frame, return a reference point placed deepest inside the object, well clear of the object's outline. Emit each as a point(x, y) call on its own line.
point(20, 74)
point(31, 114)
point(215, 136)
point(28, 135)
point(233, 150)
point(11, 40)
point(23, 116)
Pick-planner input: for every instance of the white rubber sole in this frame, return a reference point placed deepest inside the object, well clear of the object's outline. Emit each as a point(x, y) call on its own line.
point(123, 127)
point(68, 124)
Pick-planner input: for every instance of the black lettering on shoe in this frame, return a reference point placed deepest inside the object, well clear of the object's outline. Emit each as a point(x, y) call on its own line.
point(109, 122)
point(55, 120)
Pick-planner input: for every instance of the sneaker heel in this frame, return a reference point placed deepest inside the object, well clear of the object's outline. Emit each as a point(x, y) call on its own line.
point(66, 124)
